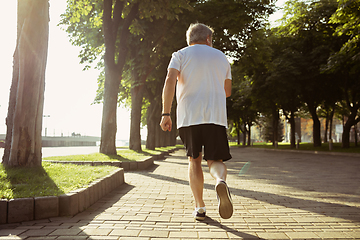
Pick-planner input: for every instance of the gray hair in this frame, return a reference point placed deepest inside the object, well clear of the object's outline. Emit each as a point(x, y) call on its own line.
point(198, 32)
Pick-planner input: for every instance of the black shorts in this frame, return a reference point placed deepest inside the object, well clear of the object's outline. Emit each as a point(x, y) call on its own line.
point(213, 137)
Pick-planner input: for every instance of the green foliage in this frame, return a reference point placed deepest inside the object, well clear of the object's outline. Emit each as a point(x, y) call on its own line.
point(83, 21)
point(346, 18)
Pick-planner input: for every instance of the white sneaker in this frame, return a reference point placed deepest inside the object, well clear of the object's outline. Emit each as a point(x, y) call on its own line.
point(199, 214)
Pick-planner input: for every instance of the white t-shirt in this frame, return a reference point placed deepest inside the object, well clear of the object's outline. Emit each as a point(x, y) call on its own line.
point(200, 90)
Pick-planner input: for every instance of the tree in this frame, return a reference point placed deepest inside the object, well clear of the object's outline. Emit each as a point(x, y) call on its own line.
point(309, 27)
point(147, 55)
point(256, 63)
point(240, 106)
point(175, 39)
point(269, 133)
point(25, 112)
point(346, 61)
point(102, 29)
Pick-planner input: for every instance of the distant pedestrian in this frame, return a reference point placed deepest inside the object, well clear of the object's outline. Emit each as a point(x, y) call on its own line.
point(202, 76)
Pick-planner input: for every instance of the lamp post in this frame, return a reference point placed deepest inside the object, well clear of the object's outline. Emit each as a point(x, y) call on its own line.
point(46, 116)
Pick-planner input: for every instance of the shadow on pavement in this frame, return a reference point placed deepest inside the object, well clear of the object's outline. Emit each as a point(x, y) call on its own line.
point(242, 235)
point(324, 208)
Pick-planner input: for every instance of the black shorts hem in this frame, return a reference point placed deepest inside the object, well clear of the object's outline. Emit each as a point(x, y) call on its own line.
point(213, 137)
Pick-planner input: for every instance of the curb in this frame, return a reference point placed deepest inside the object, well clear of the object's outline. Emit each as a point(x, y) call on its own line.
point(28, 209)
point(69, 204)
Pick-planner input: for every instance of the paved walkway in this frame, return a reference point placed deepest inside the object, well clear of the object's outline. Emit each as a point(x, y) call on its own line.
point(277, 195)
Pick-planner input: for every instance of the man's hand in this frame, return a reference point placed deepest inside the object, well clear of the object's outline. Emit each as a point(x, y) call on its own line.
point(166, 123)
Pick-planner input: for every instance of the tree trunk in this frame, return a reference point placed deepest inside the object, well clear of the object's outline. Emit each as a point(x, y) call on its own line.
point(316, 126)
point(275, 125)
point(108, 124)
point(331, 122)
point(351, 121)
point(238, 135)
point(244, 136)
point(151, 126)
point(158, 132)
point(346, 135)
point(135, 125)
point(355, 135)
point(292, 130)
point(249, 136)
point(327, 121)
point(24, 120)
point(113, 23)
point(237, 127)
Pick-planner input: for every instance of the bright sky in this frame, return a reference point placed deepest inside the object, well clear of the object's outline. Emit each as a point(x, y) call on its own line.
point(69, 91)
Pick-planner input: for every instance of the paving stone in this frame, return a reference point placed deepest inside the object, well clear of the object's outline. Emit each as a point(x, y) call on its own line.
point(152, 234)
point(213, 235)
point(134, 238)
point(68, 204)
point(333, 235)
point(103, 238)
point(66, 232)
point(83, 198)
point(282, 196)
point(20, 210)
point(12, 232)
point(97, 231)
point(3, 210)
point(277, 236)
point(125, 232)
point(41, 238)
point(36, 233)
point(183, 234)
point(73, 237)
point(302, 235)
point(46, 207)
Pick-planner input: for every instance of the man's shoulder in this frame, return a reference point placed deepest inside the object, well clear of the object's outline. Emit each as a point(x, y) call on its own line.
point(184, 49)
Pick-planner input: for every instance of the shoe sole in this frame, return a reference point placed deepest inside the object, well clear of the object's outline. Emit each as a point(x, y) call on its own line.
point(200, 218)
point(225, 204)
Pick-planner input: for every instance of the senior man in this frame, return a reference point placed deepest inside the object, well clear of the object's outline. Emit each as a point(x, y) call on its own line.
point(203, 78)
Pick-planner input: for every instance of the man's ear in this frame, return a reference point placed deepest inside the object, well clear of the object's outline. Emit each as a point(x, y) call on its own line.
point(209, 40)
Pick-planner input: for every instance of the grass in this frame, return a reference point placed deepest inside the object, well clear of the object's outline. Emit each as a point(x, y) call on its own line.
point(49, 180)
point(307, 147)
point(123, 154)
point(53, 179)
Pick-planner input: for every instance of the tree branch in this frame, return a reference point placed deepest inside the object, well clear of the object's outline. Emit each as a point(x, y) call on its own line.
point(123, 49)
point(109, 37)
point(119, 6)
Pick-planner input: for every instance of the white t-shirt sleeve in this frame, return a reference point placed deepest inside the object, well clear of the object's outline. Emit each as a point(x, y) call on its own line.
point(175, 61)
point(228, 73)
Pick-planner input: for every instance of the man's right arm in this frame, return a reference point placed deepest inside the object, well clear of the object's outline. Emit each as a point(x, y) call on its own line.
point(227, 87)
